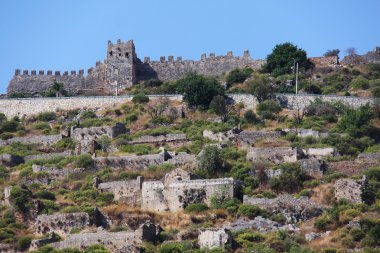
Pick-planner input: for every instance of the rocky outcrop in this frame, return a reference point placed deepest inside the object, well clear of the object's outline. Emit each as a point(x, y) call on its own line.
point(349, 189)
point(313, 167)
point(214, 238)
point(10, 160)
point(260, 224)
point(294, 209)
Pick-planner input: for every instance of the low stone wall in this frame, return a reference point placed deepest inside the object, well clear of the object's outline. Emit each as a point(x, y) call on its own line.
point(31, 106)
point(160, 139)
point(46, 156)
point(61, 224)
point(246, 138)
point(275, 155)
point(44, 140)
point(132, 162)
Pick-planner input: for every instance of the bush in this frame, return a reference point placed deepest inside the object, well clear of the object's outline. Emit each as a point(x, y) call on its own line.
point(9, 126)
point(250, 211)
point(104, 142)
point(356, 121)
point(46, 116)
point(140, 98)
point(45, 195)
point(83, 161)
point(19, 198)
point(6, 136)
point(218, 105)
point(196, 208)
point(313, 89)
point(199, 90)
point(267, 109)
point(250, 117)
point(65, 143)
point(360, 83)
point(41, 126)
point(357, 234)
point(210, 162)
point(24, 243)
point(171, 248)
point(238, 75)
point(291, 178)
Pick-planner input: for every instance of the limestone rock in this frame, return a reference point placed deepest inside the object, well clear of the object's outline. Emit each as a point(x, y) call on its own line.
point(214, 238)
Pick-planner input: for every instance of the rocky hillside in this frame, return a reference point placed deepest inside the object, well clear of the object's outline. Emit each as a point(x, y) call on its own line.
point(203, 175)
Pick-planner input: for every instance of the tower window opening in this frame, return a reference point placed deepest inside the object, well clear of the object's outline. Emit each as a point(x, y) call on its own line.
point(127, 54)
point(111, 53)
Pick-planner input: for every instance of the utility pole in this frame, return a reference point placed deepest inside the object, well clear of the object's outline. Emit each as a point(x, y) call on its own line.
point(297, 78)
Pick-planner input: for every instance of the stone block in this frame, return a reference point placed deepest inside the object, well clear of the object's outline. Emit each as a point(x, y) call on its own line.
point(215, 238)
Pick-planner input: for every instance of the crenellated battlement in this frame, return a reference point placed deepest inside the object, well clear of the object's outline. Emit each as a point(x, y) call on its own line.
point(122, 66)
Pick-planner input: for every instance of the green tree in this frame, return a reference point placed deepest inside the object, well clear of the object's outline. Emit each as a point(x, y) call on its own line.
point(281, 60)
point(218, 105)
point(333, 52)
point(356, 121)
point(199, 90)
point(261, 87)
point(210, 162)
point(238, 75)
point(56, 90)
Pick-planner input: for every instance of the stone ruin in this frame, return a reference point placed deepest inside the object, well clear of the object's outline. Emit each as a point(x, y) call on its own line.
point(210, 238)
point(349, 189)
point(86, 137)
point(301, 132)
point(62, 223)
point(42, 140)
point(369, 158)
point(128, 191)
point(135, 162)
point(275, 155)
point(10, 160)
point(161, 139)
point(313, 167)
point(179, 190)
point(243, 138)
point(294, 209)
point(247, 138)
point(321, 152)
point(51, 174)
point(122, 242)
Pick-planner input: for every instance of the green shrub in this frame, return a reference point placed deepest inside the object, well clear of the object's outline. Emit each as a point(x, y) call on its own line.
point(46, 116)
point(24, 243)
point(41, 126)
point(65, 143)
point(171, 248)
point(250, 211)
point(218, 105)
point(88, 115)
point(45, 195)
point(140, 98)
point(210, 162)
point(9, 126)
point(250, 117)
point(268, 109)
point(6, 136)
point(196, 208)
point(357, 234)
point(83, 161)
point(19, 197)
point(360, 83)
point(238, 75)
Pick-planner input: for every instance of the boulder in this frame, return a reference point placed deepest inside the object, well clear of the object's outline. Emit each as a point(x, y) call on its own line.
point(214, 238)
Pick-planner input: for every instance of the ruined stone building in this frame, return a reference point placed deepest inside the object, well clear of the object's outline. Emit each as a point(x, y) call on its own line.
point(122, 68)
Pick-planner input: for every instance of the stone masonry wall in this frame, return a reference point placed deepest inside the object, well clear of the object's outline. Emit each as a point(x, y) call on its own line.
point(61, 224)
point(32, 106)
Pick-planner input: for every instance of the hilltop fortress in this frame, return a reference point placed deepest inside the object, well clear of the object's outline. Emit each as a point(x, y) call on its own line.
point(123, 68)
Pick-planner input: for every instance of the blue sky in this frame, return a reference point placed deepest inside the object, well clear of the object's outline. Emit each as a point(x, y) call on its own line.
point(73, 34)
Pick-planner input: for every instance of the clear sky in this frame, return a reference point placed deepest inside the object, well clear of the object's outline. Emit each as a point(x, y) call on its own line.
point(73, 34)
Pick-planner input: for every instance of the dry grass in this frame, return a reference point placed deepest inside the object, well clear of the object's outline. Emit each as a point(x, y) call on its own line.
point(167, 220)
point(272, 143)
point(322, 194)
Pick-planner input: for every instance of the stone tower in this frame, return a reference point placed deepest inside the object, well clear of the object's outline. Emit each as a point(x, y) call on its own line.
point(121, 59)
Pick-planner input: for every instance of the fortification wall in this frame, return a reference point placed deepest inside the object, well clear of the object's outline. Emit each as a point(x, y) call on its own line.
point(31, 83)
point(325, 61)
point(171, 69)
point(31, 106)
point(61, 224)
